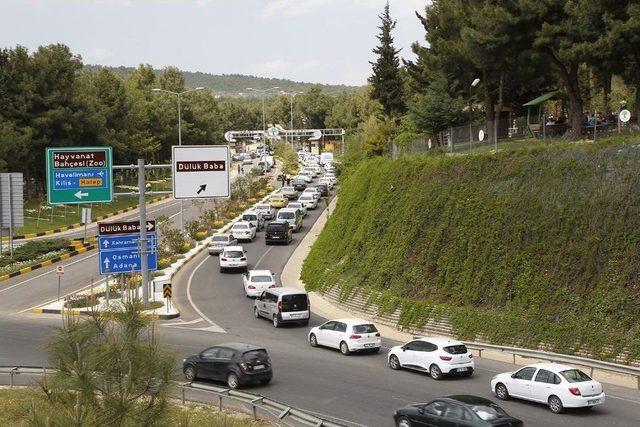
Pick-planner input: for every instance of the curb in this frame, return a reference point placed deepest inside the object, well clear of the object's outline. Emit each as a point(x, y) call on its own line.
point(79, 224)
point(79, 250)
point(75, 311)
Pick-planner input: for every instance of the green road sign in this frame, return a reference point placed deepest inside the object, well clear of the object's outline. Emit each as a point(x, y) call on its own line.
point(79, 175)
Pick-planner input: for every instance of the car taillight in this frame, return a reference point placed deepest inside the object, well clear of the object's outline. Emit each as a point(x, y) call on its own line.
point(244, 258)
point(377, 334)
point(279, 306)
point(244, 367)
point(251, 287)
point(575, 391)
point(223, 259)
point(445, 357)
point(355, 337)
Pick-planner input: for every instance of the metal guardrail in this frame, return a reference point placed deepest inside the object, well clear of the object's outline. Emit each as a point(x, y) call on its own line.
point(278, 411)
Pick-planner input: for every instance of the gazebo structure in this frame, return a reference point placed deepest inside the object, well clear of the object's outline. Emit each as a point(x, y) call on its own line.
point(535, 129)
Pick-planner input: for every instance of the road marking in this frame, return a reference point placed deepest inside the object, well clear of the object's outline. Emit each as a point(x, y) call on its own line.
point(262, 257)
point(182, 323)
point(191, 299)
point(62, 297)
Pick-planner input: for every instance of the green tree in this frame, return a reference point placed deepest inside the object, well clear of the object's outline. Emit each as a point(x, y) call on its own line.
point(436, 110)
point(385, 79)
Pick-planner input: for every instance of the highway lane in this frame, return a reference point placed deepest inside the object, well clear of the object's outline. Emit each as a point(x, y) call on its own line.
point(359, 388)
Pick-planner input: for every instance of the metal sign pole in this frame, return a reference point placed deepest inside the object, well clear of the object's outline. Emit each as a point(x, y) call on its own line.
point(59, 279)
point(10, 218)
point(143, 232)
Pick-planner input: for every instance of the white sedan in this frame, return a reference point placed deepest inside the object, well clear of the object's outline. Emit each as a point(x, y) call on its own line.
point(242, 230)
point(346, 335)
point(255, 282)
point(233, 257)
point(306, 176)
point(438, 356)
point(556, 385)
point(309, 201)
point(298, 205)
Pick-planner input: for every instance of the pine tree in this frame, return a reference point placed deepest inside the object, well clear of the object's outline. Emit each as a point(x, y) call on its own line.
point(386, 80)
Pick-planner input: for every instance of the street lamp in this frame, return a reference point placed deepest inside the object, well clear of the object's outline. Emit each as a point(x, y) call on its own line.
point(474, 83)
point(292, 96)
point(178, 95)
point(262, 93)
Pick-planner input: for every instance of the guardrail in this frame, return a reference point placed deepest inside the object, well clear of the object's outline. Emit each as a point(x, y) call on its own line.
point(275, 410)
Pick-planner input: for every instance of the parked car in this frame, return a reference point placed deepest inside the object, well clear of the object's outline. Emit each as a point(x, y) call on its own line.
point(243, 230)
point(254, 218)
point(278, 201)
point(299, 184)
point(283, 305)
point(347, 335)
point(236, 364)
point(298, 205)
point(313, 191)
point(438, 356)
point(220, 241)
point(233, 257)
point(559, 386)
point(289, 192)
point(292, 216)
point(459, 410)
point(255, 282)
point(266, 210)
point(309, 201)
point(278, 232)
point(323, 189)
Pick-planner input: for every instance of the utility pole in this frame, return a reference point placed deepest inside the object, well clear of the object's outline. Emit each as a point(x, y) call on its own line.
point(262, 93)
point(143, 232)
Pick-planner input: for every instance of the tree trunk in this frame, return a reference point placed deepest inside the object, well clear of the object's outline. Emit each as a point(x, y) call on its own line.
point(489, 107)
point(498, 111)
point(637, 76)
point(570, 80)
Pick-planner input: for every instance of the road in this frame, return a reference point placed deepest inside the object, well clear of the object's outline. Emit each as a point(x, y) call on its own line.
point(359, 388)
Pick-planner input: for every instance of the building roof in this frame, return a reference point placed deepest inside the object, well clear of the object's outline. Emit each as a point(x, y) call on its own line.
point(542, 98)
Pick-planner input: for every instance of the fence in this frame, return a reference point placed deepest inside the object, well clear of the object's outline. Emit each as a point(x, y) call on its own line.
point(257, 405)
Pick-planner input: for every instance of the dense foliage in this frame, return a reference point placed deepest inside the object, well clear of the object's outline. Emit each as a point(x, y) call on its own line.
point(522, 247)
point(34, 249)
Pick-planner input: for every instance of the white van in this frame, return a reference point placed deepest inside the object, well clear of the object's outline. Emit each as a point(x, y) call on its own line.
point(292, 216)
point(283, 305)
point(326, 158)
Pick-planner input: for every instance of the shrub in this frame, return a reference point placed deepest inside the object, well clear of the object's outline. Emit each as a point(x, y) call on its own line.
point(34, 249)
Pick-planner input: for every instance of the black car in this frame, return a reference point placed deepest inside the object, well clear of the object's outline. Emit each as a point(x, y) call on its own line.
point(236, 364)
point(278, 232)
point(461, 410)
point(299, 184)
point(323, 189)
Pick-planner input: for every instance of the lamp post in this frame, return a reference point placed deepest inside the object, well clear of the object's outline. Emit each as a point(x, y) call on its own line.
point(474, 83)
point(262, 93)
point(178, 95)
point(292, 96)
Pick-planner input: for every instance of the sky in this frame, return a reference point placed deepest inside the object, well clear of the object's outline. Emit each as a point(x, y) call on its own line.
point(320, 41)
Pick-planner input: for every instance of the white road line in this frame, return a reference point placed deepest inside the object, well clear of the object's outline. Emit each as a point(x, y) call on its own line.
point(44, 274)
point(191, 299)
point(610, 396)
point(262, 257)
point(181, 323)
point(61, 297)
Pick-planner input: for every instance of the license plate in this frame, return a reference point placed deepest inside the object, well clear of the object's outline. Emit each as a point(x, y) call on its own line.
point(233, 264)
point(276, 237)
point(593, 402)
point(369, 345)
point(258, 367)
point(463, 369)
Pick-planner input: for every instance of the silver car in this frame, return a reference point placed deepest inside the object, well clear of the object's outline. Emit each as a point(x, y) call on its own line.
point(266, 210)
point(219, 242)
point(283, 305)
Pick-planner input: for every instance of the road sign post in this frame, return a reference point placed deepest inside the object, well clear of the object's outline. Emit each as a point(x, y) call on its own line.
point(11, 204)
point(79, 175)
point(166, 293)
point(60, 273)
point(201, 171)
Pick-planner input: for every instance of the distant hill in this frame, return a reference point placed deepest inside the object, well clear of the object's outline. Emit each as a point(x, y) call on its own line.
point(232, 84)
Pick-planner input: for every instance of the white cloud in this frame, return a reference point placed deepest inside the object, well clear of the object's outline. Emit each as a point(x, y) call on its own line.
point(280, 68)
point(294, 8)
point(98, 54)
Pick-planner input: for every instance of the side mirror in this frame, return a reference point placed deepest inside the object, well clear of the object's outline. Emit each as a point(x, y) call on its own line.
point(404, 348)
point(245, 251)
point(513, 375)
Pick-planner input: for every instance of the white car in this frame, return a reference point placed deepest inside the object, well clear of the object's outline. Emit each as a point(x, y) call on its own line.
point(347, 335)
point(219, 241)
point(255, 282)
point(328, 181)
point(311, 171)
point(254, 218)
point(306, 176)
point(312, 191)
point(243, 230)
point(309, 201)
point(246, 159)
point(298, 205)
point(438, 356)
point(559, 386)
point(266, 210)
point(233, 257)
point(329, 167)
point(330, 176)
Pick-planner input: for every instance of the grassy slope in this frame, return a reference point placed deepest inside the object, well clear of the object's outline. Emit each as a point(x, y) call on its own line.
point(526, 247)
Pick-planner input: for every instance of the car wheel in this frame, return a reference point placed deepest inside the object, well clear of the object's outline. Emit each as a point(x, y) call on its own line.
point(555, 404)
point(394, 363)
point(233, 381)
point(501, 392)
point(190, 373)
point(276, 322)
point(256, 313)
point(435, 372)
point(313, 341)
point(344, 348)
point(404, 422)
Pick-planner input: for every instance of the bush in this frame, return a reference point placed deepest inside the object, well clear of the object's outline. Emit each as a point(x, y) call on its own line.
point(80, 301)
point(34, 249)
point(201, 235)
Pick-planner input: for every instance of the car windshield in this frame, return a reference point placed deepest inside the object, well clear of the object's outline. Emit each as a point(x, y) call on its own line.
point(299, 182)
point(455, 349)
point(249, 217)
point(488, 412)
point(294, 302)
point(262, 207)
point(365, 329)
point(220, 239)
point(575, 376)
point(275, 227)
point(240, 227)
point(288, 189)
point(233, 254)
point(295, 205)
point(286, 215)
point(304, 198)
point(255, 356)
point(261, 279)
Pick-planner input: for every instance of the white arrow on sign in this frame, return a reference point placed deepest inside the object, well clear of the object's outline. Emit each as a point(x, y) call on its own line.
point(106, 243)
point(149, 226)
point(106, 263)
point(80, 194)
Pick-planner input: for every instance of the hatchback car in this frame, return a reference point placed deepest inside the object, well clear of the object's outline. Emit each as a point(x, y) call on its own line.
point(243, 230)
point(236, 364)
point(278, 232)
point(347, 335)
point(559, 386)
point(299, 206)
point(313, 191)
point(283, 305)
point(323, 189)
point(309, 201)
point(266, 210)
point(289, 192)
point(219, 241)
point(299, 184)
point(255, 282)
point(438, 356)
point(306, 176)
point(278, 201)
point(233, 257)
point(463, 410)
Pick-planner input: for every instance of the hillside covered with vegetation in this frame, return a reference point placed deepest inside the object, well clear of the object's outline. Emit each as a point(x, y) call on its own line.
point(523, 247)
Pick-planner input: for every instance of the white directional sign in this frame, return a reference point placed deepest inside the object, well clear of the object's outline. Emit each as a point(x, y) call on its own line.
point(273, 132)
point(201, 171)
point(625, 116)
point(481, 135)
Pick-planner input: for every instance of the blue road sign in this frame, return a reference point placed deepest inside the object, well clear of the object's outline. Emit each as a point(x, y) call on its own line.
point(125, 261)
point(76, 179)
point(129, 242)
